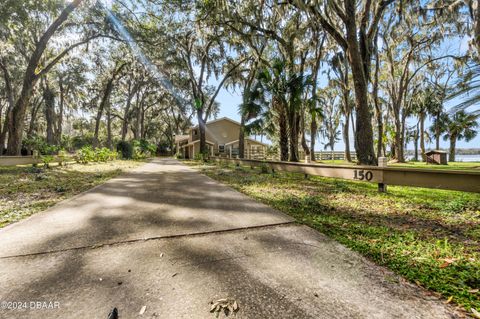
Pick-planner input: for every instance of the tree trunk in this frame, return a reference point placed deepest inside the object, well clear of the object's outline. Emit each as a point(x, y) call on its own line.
point(399, 140)
point(422, 136)
point(126, 112)
point(306, 150)
point(437, 132)
point(417, 136)
point(125, 122)
point(104, 103)
point(241, 138)
point(33, 117)
point(15, 130)
point(8, 111)
point(109, 127)
point(49, 98)
point(293, 136)
point(201, 129)
point(138, 130)
point(364, 133)
point(378, 106)
point(346, 139)
point(453, 142)
point(3, 133)
point(59, 129)
point(359, 67)
point(313, 134)
point(283, 131)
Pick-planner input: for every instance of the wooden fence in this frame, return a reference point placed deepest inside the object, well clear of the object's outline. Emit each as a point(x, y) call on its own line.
point(467, 181)
point(30, 160)
point(262, 155)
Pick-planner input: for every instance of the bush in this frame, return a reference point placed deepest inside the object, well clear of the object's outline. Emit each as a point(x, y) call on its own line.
point(80, 141)
point(143, 149)
point(104, 154)
point(85, 155)
point(39, 144)
point(178, 155)
point(62, 156)
point(47, 159)
point(264, 168)
point(88, 154)
point(202, 157)
point(125, 149)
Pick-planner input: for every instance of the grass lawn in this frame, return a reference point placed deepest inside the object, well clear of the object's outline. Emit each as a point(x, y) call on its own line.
point(27, 190)
point(431, 237)
point(475, 166)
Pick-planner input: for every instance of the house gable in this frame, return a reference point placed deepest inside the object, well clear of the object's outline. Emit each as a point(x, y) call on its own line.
point(222, 131)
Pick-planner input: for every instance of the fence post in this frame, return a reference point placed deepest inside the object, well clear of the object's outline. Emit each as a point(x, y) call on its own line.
point(382, 162)
point(307, 159)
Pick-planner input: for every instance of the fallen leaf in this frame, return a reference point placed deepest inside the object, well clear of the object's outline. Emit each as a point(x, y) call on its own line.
point(227, 305)
point(475, 313)
point(142, 311)
point(449, 300)
point(445, 264)
point(473, 291)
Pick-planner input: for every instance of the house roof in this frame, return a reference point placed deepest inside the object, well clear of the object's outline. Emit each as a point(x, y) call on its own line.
point(218, 120)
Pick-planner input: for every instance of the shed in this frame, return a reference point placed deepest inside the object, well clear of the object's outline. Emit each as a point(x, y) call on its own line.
point(436, 157)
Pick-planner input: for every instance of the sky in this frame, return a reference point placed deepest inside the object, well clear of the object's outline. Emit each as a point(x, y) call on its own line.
point(229, 102)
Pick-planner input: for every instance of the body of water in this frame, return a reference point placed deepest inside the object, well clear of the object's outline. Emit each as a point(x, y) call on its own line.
point(462, 158)
point(467, 158)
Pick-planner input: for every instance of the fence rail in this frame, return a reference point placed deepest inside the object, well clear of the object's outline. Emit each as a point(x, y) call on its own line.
point(28, 160)
point(262, 155)
point(467, 181)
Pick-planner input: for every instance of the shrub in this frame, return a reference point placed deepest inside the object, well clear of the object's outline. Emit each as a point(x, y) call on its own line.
point(85, 154)
point(138, 154)
point(39, 144)
point(104, 154)
point(62, 156)
point(143, 149)
point(198, 157)
point(178, 155)
point(80, 141)
point(125, 149)
point(264, 168)
point(47, 159)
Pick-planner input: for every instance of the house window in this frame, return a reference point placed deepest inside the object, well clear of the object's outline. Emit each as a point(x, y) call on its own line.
point(221, 148)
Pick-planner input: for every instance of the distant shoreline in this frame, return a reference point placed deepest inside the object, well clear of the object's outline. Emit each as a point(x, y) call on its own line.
point(458, 151)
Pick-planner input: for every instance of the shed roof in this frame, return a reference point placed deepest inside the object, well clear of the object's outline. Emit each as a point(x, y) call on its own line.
point(435, 152)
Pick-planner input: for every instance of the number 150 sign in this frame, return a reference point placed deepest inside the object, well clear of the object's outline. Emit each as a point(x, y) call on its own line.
point(360, 174)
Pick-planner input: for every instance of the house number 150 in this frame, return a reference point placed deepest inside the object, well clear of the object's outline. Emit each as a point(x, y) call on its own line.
point(361, 175)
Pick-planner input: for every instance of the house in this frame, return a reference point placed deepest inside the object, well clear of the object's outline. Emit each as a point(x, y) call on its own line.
point(222, 140)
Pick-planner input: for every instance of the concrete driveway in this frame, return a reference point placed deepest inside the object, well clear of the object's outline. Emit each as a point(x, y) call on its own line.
point(170, 240)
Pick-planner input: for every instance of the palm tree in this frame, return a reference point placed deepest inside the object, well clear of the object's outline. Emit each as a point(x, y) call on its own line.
point(251, 108)
point(272, 81)
point(468, 89)
point(426, 103)
point(286, 92)
point(460, 126)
